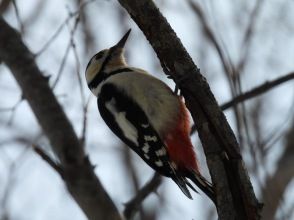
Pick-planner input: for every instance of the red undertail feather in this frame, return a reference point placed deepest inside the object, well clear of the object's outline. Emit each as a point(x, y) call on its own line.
point(179, 143)
point(181, 152)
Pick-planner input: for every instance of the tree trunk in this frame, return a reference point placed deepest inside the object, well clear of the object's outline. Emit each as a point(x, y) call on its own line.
point(235, 195)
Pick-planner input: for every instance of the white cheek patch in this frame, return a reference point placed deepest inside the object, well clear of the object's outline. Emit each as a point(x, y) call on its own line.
point(128, 129)
point(92, 70)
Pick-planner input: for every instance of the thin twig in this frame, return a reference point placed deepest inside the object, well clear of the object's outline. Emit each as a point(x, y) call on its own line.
point(256, 149)
point(257, 91)
point(12, 109)
point(21, 26)
point(48, 159)
point(134, 204)
point(33, 18)
point(87, 30)
point(73, 46)
point(63, 61)
point(71, 43)
point(11, 182)
point(210, 35)
point(253, 93)
point(248, 35)
point(279, 131)
point(8, 109)
point(277, 182)
point(85, 120)
point(59, 29)
point(54, 36)
point(228, 68)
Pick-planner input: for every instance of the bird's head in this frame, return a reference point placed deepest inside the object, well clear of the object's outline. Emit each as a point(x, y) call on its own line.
point(104, 62)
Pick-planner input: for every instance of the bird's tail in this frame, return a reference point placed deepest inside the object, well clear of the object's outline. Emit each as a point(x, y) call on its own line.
point(203, 184)
point(181, 182)
point(199, 181)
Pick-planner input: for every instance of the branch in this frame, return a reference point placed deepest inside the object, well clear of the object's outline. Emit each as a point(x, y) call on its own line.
point(276, 184)
point(257, 91)
point(21, 26)
point(48, 159)
point(235, 195)
point(212, 38)
point(85, 122)
point(134, 204)
point(10, 183)
point(76, 56)
point(248, 35)
point(87, 32)
point(59, 29)
point(232, 76)
point(79, 176)
point(253, 93)
point(12, 110)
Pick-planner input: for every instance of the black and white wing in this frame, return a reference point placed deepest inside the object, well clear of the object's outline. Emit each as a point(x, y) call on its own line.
point(128, 121)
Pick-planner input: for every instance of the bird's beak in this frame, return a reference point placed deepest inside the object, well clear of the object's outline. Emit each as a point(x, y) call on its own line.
point(123, 41)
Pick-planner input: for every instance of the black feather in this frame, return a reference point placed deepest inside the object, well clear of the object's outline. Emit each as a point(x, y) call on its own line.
point(136, 116)
point(203, 184)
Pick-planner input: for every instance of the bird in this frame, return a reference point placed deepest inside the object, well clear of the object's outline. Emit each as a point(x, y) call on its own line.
point(147, 116)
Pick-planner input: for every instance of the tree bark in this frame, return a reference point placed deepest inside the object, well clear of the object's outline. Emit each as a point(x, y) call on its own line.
point(235, 195)
point(77, 171)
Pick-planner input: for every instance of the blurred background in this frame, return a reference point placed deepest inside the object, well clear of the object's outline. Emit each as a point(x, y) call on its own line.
point(238, 45)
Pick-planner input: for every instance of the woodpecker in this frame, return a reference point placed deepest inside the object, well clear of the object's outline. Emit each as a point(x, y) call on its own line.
point(147, 116)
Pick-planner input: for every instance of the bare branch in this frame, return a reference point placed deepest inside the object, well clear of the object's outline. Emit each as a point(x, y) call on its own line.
point(84, 127)
point(129, 167)
point(232, 77)
point(77, 61)
point(249, 33)
point(210, 35)
point(72, 45)
point(12, 109)
point(258, 91)
point(253, 93)
point(11, 182)
point(48, 159)
point(276, 184)
point(88, 33)
point(21, 26)
point(59, 29)
point(62, 65)
point(33, 17)
point(134, 204)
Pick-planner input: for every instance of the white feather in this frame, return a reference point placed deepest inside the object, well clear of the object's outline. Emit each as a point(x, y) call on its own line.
point(128, 129)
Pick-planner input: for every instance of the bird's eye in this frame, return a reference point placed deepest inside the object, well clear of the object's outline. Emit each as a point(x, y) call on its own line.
point(99, 55)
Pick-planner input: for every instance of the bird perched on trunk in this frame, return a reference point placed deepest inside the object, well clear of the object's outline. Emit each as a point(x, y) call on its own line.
point(147, 116)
